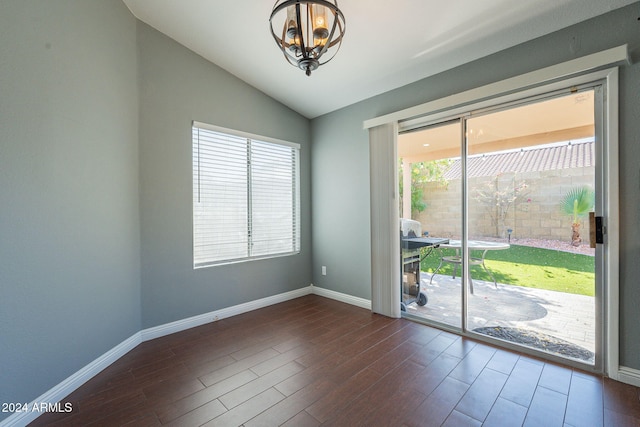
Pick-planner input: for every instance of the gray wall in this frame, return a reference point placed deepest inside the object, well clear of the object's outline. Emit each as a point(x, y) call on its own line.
point(341, 170)
point(176, 87)
point(340, 199)
point(69, 218)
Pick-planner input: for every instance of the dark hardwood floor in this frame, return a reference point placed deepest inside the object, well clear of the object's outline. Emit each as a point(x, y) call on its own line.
point(314, 361)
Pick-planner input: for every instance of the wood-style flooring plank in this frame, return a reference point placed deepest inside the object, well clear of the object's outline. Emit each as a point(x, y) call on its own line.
point(433, 349)
point(547, 409)
point(332, 403)
point(585, 405)
point(436, 372)
point(438, 406)
point(239, 366)
point(621, 398)
point(522, 382)
point(202, 397)
point(503, 361)
point(505, 413)
point(302, 419)
point(291, 406)
point(260, 384)
point(458, 419)
point(387, 400)
point(479, 399)
point(310, 374)
point(280, 360)
point(247, 410)
point(199, 415)
point(473, 363)
point(557, 378)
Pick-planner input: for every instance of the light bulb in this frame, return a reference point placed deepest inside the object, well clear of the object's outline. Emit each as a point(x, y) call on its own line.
point(292, 26)
point(319, 22)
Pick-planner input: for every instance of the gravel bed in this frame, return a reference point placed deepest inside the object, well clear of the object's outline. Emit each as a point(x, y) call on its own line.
point(557, 245)
point(539, 341)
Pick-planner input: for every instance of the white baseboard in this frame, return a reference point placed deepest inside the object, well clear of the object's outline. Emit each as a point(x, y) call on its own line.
point(202, 319)
point(69, 385)
point(629, 376)
point(63, 389)
point(338, 296)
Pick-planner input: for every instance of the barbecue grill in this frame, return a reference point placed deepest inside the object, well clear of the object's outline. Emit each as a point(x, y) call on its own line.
point(414, 248)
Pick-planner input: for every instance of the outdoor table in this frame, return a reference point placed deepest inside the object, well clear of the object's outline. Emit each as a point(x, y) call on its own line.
point(472, 245)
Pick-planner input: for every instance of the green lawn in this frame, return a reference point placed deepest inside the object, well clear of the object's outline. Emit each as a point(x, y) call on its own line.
point(530, 267)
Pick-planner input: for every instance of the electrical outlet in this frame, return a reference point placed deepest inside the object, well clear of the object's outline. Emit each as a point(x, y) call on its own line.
point(324, 270)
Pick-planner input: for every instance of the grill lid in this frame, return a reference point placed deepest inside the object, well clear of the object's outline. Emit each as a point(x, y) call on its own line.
point(410, 228)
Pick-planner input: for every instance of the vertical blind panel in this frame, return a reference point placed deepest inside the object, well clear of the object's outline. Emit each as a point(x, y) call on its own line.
point(245, 198)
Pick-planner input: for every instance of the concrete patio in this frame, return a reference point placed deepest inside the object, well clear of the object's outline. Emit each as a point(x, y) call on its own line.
point(569, 317)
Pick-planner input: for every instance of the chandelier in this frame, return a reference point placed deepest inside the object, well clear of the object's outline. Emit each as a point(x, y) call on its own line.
point(312, 31)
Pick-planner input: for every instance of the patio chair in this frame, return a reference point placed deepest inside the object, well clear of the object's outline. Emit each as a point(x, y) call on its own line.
point(456, 260)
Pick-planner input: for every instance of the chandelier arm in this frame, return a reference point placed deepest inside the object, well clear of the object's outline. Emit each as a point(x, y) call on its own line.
point(283, 46)
point(303, 48)
point(326, 47)
point(282, 42)
point(337, 42)
point(332, 56)
point(339, 39)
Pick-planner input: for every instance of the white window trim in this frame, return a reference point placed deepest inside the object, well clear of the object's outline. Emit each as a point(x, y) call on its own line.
point(244, 134)
point(236, 133)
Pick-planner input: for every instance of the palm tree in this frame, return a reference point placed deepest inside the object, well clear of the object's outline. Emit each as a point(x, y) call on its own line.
point(577, 203)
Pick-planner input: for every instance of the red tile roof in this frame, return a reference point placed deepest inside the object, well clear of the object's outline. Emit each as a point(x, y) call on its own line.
point(564, 156)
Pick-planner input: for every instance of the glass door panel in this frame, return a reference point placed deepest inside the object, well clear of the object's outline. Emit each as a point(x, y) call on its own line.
point(430, 189)
point(531, 181)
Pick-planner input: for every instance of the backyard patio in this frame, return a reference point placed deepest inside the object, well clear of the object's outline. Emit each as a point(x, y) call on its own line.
point(566, 317)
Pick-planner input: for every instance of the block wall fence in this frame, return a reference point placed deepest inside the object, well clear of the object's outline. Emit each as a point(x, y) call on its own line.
point(536, 215)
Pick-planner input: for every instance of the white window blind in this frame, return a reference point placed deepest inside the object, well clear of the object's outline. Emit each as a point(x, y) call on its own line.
point(246, 201)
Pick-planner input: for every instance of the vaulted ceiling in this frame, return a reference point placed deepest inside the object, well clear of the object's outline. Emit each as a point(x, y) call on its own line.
point(387, 44)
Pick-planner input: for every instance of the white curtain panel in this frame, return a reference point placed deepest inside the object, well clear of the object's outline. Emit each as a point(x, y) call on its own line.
point(385, 223)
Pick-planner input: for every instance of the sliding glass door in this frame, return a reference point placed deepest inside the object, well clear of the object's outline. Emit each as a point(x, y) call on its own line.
point(506, 195)
point(531, 179)
point(433, 201)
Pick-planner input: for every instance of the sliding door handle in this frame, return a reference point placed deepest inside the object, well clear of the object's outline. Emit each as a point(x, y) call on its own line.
point(599, 230)
point(596, 229)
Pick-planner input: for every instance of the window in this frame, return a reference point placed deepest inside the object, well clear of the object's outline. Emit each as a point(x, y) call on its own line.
point(246, 197)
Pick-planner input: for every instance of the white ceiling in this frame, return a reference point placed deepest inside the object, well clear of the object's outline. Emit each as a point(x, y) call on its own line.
point(387, 44)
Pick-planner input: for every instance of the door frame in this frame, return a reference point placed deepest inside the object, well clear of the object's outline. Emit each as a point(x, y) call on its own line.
point(596, 88)
point(577, 72)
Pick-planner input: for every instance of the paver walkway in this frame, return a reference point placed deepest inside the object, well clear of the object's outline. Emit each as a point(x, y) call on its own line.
point(566, 316)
